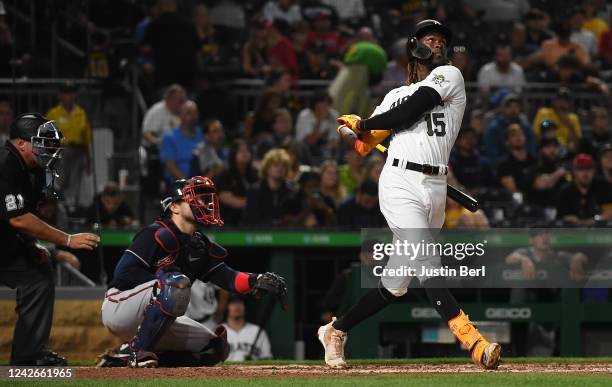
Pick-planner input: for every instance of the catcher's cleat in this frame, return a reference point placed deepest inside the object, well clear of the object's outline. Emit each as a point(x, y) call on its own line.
point(333, 344)
point(143, 359)
point(116, 357)
point(487, 355)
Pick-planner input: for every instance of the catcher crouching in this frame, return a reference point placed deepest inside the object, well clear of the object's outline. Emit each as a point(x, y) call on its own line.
point(151, 287)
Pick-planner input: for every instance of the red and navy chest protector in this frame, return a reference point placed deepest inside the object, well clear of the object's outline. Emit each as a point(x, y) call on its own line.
point(162, 246)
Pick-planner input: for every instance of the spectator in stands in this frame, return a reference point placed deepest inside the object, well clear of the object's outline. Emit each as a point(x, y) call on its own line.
point(177, 146)
point(279, 81)
point(265, 199)
point(478, 123)
point(580, 35)
point(361, 209)
point(173, 43)
point(208, 50)
point(151, 11)
point(330, 182)
point(209, 156)
point(459, 55)
point(600, 133)
point(536, 22)
point(285, 10)
point(351, 173)
point(228, 14)
point(280, 53)
point(309, 207)
point(592, 23)
point(366, 51)
point(605, 162)
point(349, 11)
point(586, 199)
point(546, 178)
point(254, 54)
point(282, 134)
point(512, 170)
point(471, 169)
point(74, 124)
point(163, 116)
point(495, 134)
point(568, 71)
point(458, 217)
point(316, 126)
point(242, 336)
point(396, 72)
point(567, 122)
point(299, 160)
point(233, 183)
point(553, 49)
point(518, 42)
point(324, 35)
point(502, 72)
point(373, 167)
point(6, 117)
point(114, 212)
point(605, 49)
point(259, 122)
point(12, 56)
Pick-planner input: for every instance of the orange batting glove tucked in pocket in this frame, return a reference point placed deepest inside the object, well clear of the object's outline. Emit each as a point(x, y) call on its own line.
point(363, 148)
point(374, 137)
point(351, 121)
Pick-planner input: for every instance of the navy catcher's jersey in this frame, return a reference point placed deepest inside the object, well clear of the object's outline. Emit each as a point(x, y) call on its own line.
point(162, 245)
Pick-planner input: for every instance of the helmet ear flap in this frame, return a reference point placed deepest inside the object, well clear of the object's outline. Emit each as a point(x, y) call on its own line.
point(418, 50)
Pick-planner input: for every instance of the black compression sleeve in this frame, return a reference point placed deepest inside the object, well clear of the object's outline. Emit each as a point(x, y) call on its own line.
point(406, 113)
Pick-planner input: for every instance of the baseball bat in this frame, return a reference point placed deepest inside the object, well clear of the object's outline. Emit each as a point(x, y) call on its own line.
point(460, 197)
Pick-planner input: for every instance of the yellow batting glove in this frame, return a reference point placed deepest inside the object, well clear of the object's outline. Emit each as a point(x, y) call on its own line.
point(351, 121)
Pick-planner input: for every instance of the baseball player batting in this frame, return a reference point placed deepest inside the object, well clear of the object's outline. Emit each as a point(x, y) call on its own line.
point(423, 119)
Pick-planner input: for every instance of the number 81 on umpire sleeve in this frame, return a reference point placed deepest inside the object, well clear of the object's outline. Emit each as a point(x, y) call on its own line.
point(435, 124)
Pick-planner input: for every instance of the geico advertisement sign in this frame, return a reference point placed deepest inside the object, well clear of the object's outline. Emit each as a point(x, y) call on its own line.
point(513, 313)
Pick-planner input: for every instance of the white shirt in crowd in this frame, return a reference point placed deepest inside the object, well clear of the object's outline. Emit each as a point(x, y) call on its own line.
point(489, 76)
point(587, 40)
point(272, 11)
point(158, 119)
point(240, 343)
point(347, 9)
point(306, 120)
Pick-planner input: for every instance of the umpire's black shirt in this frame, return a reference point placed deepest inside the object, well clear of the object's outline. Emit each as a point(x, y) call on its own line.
point(20, 193)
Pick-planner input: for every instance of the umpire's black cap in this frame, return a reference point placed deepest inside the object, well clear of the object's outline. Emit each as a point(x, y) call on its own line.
point(26, 126)
point(426, 26)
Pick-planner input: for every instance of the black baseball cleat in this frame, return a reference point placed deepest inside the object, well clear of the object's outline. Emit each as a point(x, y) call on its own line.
point(46, 358)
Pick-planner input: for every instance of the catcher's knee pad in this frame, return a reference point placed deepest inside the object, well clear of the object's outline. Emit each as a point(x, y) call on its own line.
point(173, 293)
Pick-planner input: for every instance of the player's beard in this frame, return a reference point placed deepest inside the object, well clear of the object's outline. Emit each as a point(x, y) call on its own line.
point(439, 59)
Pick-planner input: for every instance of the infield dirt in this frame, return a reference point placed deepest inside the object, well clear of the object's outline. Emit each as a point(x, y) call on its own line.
point(250, 371)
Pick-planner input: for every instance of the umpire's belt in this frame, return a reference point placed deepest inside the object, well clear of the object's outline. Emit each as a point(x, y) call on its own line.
point(423, 168)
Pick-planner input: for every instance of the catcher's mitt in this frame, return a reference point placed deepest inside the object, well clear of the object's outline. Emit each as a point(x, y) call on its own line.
point(271, 283)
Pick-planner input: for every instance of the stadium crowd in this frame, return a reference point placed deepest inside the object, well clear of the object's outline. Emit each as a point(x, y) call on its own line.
point(281, 163)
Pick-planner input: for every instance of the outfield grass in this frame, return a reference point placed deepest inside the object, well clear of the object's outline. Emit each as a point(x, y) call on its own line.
point(471, 380)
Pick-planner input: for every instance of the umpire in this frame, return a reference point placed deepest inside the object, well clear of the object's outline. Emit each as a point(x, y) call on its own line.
point(27, 162)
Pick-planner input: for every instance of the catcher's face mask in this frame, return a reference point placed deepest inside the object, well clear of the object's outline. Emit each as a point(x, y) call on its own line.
point(46, 145)
point(201, 195)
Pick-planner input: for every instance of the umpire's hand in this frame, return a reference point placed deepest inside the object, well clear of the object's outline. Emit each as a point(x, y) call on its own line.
point(84, 240)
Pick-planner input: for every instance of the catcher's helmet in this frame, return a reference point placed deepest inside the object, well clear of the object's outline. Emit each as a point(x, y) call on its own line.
point(201, 195)
point(44, 135)
point(420, 51)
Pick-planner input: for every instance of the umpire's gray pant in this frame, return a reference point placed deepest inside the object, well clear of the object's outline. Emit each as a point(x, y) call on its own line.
point(34, 307)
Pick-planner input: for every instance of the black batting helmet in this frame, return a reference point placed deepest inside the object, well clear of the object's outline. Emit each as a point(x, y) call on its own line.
point(420, 51)
point(424, 27)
